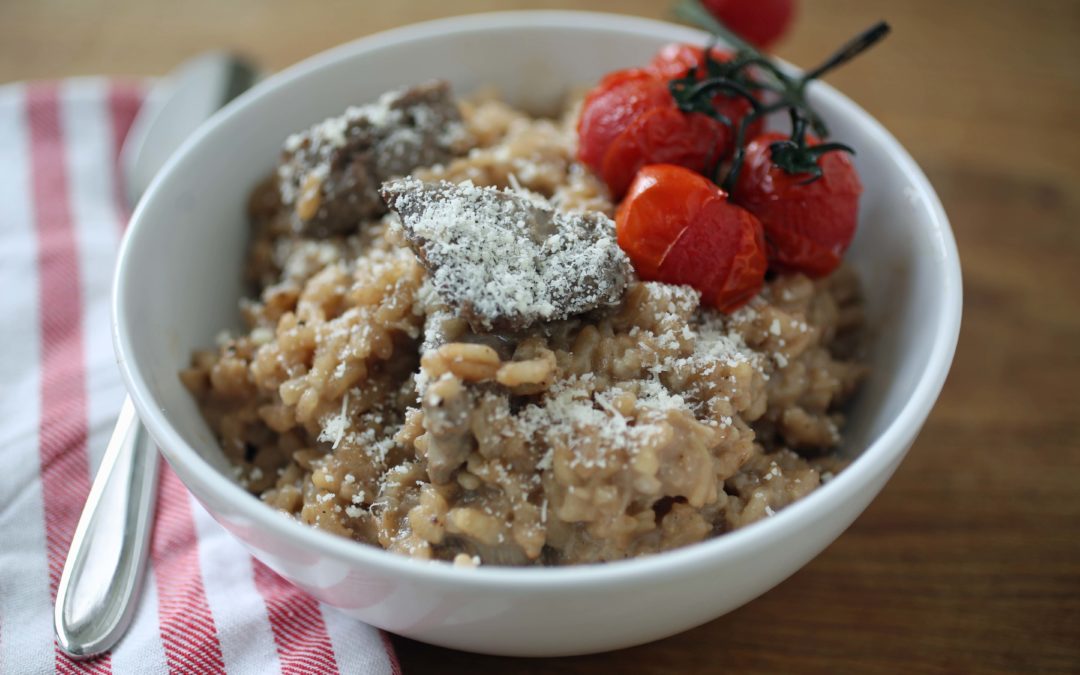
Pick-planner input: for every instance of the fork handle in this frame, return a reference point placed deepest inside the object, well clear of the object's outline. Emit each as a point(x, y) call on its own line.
point(105, 565)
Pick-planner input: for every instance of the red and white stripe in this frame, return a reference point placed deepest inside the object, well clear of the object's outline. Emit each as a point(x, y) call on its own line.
point(90, 159)
point(188, 630)
point(361, 649)
point(233, 600)
point(207, 606)
point(62, 425)
point(303, 645)
point(97, 238)
point(25, 624)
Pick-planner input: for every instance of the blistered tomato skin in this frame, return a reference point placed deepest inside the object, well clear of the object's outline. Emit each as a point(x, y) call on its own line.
point(675, 60)
point(722, 254)
point(679, 228)
point(660, 205)
point(808, 226)
point(663, 136)
point(630, 119)
point(610, 107)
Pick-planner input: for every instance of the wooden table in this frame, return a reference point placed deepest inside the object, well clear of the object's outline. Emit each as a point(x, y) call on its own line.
point(969, 561)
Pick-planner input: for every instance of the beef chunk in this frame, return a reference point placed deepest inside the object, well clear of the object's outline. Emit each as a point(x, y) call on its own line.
point(330, 174)
point(506, 260)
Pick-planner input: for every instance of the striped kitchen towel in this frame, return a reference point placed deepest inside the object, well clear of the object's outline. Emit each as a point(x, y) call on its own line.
point(207, 606)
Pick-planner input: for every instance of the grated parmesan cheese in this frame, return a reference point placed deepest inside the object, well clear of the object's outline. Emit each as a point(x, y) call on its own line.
point(335, 428)
point(505, 259)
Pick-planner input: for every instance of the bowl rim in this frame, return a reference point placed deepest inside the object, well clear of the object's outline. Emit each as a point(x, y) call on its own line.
point(880, 456)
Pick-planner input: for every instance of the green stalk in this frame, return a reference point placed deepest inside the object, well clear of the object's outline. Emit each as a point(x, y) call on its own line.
point(794, 156)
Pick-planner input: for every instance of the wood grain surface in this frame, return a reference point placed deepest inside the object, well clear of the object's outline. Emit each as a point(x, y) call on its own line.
point(969, 561)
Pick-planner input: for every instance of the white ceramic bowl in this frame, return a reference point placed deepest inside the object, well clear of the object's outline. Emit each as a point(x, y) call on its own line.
point(178, 283)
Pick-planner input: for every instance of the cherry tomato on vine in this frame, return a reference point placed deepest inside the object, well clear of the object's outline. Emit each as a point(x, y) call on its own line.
point(631, 119)
point(808, 225)
point(679, 227)
point(675, 60)
point(759, 22)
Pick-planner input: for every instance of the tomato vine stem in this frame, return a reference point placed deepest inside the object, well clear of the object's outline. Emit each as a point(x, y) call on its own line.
point(750, 72)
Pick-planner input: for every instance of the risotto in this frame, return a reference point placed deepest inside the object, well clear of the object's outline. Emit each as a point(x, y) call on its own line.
point(448, 356)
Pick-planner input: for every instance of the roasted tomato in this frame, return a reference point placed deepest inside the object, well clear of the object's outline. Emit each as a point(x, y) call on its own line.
point(759, 22)
point(679, 227)
point(630, 119)
point(663, 135)
point(610, 107)
point(808, 223)
point(675, 60)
